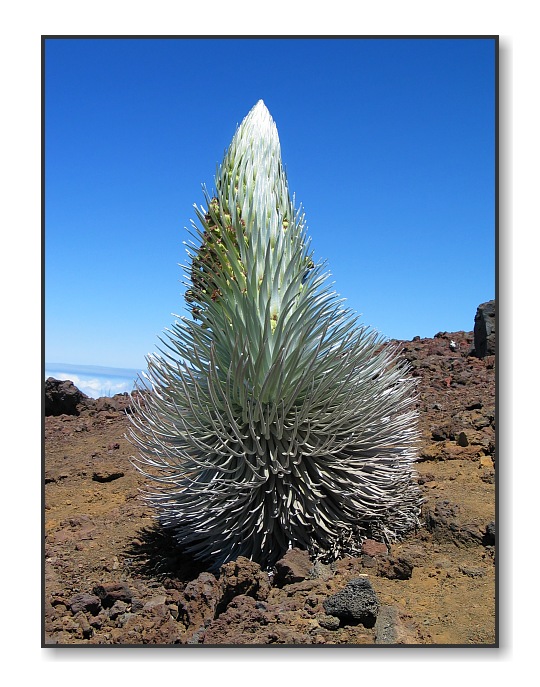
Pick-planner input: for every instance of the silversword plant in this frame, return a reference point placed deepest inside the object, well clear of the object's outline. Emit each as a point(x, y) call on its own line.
point(272, 418)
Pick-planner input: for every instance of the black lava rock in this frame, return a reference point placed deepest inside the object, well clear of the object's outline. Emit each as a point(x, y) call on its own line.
point(356, 603)
point(489, 536)
point(485, 330)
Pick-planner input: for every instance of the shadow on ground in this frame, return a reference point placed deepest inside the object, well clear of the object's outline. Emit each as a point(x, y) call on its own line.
point(156, 553)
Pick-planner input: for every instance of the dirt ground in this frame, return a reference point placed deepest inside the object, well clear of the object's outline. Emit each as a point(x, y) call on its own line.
point(111, 576)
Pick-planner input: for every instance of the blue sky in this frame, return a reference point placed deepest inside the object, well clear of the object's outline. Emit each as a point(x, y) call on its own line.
point(389, 145)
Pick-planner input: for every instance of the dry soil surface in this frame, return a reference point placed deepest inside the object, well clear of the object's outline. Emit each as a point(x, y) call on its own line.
point(112, 576)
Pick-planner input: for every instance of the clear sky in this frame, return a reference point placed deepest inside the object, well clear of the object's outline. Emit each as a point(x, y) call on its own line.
point(389, 145)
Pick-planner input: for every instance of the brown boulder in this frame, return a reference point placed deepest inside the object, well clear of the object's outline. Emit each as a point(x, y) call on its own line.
point(111, 592)
point(63, 397)
point(395, 568)
point(370, 547)
point(248, 621)
point(242, 577)
point(198, 606)
point(295, 566)
point(85, 602)
point(116, 404)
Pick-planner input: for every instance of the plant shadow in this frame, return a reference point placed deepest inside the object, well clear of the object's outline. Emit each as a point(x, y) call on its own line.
point(155, 553)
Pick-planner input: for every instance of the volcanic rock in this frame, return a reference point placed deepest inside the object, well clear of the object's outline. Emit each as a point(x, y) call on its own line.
point(489, 535)
point(85, 602)
point(484, 330)
point(198, 606)
point(242, 576)
point(111, 592)
point(63, 397)
point(395, 568)
point(374, 548)
point(295, 566)
point(357, 602)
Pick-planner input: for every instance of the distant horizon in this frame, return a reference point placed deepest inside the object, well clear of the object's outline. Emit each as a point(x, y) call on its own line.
point(93, 368)
point(95, 380)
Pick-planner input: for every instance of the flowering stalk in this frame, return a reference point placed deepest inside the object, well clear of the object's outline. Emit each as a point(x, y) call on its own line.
point(274, 418)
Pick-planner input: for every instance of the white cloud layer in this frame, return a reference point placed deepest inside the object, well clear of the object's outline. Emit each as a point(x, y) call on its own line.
point(95, 385)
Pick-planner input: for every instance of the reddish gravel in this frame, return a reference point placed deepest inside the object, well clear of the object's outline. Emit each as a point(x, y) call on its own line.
point(113, 577)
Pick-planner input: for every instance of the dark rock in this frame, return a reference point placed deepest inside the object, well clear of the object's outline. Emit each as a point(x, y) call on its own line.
point(357, 602)
point(292, 590)
point(295, 566)
point(479, 421)
point(197, 637)
point(155, 601)
point(414, 554)
point(99, 620)
point(441, 518)
point(85, 602)
point(107, 474)
point(150, 627)
point(55, 477)
point(488, 478)
point(469, 534)
point(111, 592)
point(484, 330)
point(474, 405)
point(439, 433)
point(239, 624)
point(63, 397)
point(49, 610)
point(462, 439)
point(428, 477)
point(78, 528)
point(489, 535)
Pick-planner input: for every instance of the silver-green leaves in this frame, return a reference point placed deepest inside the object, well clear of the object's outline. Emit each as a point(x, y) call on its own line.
point(274, 418)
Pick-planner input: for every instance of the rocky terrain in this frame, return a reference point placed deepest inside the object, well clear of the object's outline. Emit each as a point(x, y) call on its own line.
point(113, 577)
